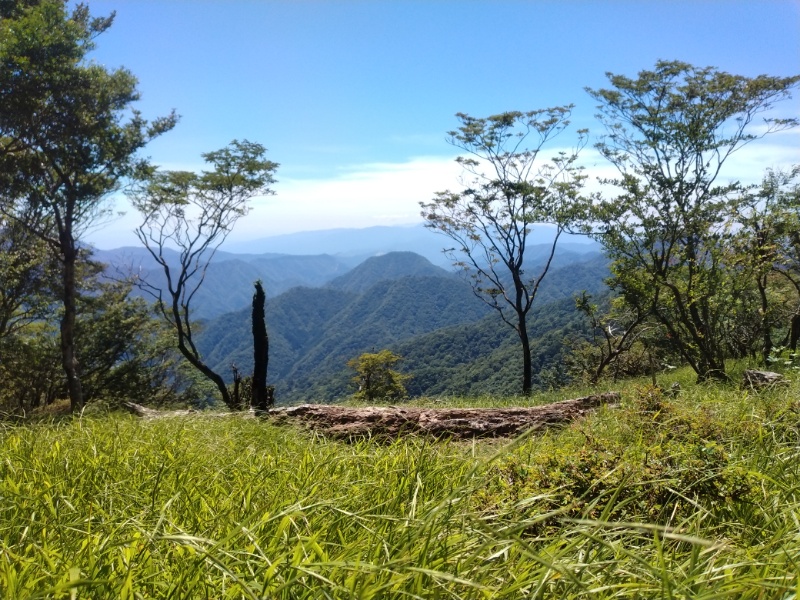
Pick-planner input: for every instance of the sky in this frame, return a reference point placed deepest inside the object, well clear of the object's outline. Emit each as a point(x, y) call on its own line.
point(353, 98)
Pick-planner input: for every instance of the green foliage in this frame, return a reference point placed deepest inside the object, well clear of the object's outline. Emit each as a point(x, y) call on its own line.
point(68, 135)
point(126, 355)
point(126, 350)
point(375, 378)
point(30, 370)
point(693, 497)
point(682, 463)
point(767, 245)
point(669, 231)
point(784, 360)
point(622, 341)
point(28, 278)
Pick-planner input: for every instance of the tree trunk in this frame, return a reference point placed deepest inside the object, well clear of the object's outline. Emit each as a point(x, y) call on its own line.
point(261, 400)
point(208, 373)
point(766, 350)
point(794, 334)
point(527, 368)
point(183, 329)
point(69, 356)
point(237, 384)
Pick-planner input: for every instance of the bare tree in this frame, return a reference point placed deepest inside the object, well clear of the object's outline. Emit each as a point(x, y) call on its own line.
point(195, 213)
point(509, 191)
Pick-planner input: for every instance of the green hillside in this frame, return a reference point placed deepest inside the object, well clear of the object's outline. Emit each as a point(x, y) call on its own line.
point(483, 357)
point(452, 342)
point(295, 320)
point(389, 266)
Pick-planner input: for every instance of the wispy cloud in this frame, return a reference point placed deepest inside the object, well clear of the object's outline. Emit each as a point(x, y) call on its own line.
point(360, 196)
point(390, 193)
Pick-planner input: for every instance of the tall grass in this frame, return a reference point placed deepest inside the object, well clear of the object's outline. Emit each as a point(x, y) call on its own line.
point(693, 497)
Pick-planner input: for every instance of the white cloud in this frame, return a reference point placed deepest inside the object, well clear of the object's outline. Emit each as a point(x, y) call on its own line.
point(747, 165)
point(390, 193)
point(364, 195)
point(750, 162)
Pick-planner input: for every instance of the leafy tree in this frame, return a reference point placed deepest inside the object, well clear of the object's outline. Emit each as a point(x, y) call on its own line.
point(68, 135)
point(375, 377)
point(510, 190)
point(781, 193)
point(28, 285)
point(30, 369)
point(669, 133)
point(127, 353)
point(195, 213)
point(767, 243)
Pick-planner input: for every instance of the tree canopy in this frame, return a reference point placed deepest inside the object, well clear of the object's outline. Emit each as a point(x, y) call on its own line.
point(510, 190)
point(68, 135)
point(669, 132)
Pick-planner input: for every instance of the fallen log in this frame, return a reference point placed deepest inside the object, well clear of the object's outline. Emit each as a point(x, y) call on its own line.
point(343, 422)
point(153, 413)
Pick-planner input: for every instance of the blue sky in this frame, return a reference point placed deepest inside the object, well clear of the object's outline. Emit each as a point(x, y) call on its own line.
point(354, 98)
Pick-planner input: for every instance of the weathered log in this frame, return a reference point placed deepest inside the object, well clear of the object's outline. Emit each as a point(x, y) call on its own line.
point(152, 413)
point(459, 423)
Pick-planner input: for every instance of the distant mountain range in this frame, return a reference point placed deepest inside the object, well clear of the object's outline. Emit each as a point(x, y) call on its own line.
point(335, 294)
point(228, 284)
point(452, 342)
point(372, 241)
point(311, 259)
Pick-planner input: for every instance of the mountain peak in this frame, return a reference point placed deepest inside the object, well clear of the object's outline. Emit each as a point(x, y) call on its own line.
point(391, 265)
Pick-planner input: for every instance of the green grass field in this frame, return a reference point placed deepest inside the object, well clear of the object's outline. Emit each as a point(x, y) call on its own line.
point(690, 497)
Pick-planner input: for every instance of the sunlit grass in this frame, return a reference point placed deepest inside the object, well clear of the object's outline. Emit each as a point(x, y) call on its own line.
point(688, 497)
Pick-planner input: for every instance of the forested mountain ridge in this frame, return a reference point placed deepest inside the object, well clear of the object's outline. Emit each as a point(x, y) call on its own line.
point(447, 335)
point(295, 320)
point(227, 286)
point(228, 283)
point(483, 358)
point(387, 266)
